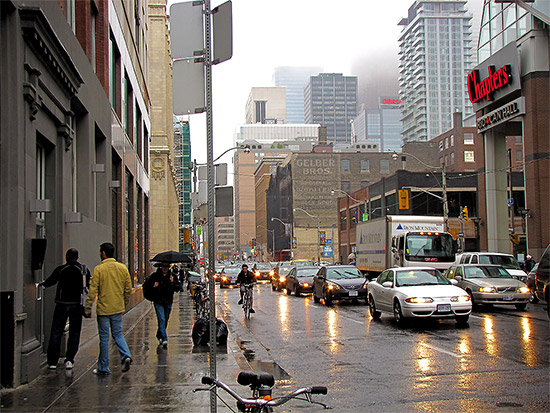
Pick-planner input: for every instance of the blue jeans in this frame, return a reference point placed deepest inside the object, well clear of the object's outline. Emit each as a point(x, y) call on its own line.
point(63, 311)
point(163, 314)
point(114, 323)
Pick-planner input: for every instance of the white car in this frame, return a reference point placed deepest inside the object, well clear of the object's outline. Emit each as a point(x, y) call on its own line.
point(417, 292)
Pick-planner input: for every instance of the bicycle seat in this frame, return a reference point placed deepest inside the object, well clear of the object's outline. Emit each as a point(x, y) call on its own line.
point(255, 380)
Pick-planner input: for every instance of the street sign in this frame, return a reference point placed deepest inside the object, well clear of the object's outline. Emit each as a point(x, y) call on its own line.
point(322, 236)
point(365, 217)
point(222, 23)
point(294, 242)
point(328, 251)
point(186, 30)
point(188, 87)
point(328, 241)
point(510, 201)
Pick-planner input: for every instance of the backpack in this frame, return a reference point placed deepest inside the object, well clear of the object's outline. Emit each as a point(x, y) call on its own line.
point(148, 290)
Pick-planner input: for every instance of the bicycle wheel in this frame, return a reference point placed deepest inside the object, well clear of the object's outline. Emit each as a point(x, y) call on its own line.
point(246, 305)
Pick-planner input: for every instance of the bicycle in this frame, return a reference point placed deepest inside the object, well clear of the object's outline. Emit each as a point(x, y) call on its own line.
point(247, 299)
point(261, 385)
point(201, 300)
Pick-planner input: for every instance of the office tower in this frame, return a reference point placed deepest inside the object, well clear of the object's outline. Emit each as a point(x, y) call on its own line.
point(294, 79)
point(331, 100)
point(182, 157)
point(266, 105)
point(436, 57)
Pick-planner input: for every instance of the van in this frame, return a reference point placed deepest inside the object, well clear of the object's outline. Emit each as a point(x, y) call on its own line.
point(541, 287)
point(507, 261)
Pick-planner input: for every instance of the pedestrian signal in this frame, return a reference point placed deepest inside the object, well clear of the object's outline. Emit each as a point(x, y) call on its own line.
point(465, 214)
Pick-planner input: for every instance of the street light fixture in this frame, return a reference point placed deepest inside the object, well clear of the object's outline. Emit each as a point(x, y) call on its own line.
point(318, 231)
point(333, 191)
point(395, 156)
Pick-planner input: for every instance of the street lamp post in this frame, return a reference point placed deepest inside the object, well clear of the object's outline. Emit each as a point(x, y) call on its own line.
point(395, 155)
point(318, 231)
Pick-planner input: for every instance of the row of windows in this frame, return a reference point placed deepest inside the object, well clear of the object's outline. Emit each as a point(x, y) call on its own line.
point(345, 165)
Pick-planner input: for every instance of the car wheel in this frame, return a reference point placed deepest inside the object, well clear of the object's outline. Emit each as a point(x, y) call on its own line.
point(471, 297)
point(521, 307)
point(397, 314)
point(533, 299)
point(372, 309)
point(462, 320)
point(296, 292)
point(327, 299)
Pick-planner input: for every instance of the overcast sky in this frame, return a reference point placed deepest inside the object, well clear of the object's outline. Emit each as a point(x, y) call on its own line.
point(336, 35)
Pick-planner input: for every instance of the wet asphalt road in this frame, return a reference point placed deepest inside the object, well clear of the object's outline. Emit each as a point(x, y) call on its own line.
point(500, 362)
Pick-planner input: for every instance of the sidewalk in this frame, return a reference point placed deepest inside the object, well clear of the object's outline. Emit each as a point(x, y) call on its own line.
point(158, 380)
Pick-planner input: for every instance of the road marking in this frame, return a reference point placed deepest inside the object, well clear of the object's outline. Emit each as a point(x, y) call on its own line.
point(440, 350)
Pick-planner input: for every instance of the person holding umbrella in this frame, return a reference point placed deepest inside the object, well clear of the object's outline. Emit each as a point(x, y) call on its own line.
point(164, 284)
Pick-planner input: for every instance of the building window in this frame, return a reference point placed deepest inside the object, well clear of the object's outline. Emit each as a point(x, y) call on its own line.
point(468, 139)
point(452, 140)
point(384, 166)
point(519, 155)
point(365, 165)
point(343, 220)
point(114, 76)
point(345, 165)
point(345, 186)
point(452, 158)
point(93, 28)
point(364, 184)
point(469, 156)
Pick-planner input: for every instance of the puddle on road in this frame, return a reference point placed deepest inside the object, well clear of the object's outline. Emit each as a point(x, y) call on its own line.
point(266, 366)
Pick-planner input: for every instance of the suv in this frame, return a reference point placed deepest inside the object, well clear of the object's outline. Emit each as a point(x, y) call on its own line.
point(506, 261)
point(541, 288)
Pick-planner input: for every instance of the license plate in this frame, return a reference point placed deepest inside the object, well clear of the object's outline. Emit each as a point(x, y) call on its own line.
point(443, 308)
point(508, 297)
point(353, 293)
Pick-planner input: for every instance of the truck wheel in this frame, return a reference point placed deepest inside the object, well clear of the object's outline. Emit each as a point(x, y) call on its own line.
point(372, 309)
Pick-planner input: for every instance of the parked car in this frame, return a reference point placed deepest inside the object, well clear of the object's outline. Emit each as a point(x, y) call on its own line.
point(263, 271)
point(417, 292)
point(228, 276)
point(339, 282)
point(490, 284)
point(542, 290)
point(192, 279)
point(507, 261)
point(300, 280)
point(278, 280)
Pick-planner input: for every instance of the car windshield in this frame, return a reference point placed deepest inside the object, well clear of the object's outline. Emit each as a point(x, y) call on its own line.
point(502, 260)
point(231, 270)
point(263, 266)
point(306, 272)
point(486, 272)
point(340, 273)
point(304, 263)
point(419, 277)
point(284, 270)
point(436, 245)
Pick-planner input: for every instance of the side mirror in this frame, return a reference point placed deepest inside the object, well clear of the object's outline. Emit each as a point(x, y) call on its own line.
point(453, 281)
point(387, 284)
point(458, 278)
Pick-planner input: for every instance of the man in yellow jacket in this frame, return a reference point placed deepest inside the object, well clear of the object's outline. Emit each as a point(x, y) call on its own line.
point(112, 285)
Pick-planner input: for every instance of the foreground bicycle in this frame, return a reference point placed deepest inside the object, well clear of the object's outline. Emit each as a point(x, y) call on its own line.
point(247, 299)
point(261, 385)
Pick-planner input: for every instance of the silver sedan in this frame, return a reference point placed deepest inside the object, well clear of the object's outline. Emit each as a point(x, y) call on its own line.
point(490, 284)
point(416, 292)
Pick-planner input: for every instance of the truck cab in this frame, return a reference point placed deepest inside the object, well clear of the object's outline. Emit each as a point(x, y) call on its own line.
point(417, 248)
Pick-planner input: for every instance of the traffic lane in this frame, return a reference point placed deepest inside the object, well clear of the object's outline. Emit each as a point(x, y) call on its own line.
point(432, 366)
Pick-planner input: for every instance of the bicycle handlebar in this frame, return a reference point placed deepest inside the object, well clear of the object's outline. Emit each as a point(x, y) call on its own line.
point(263, 402)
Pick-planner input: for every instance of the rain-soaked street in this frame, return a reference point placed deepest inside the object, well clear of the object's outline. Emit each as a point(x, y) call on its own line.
point(500, 362)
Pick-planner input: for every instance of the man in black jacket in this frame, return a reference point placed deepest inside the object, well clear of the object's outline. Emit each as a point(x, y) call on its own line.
point(70, 282)
point(246, 277)
point(164, 285)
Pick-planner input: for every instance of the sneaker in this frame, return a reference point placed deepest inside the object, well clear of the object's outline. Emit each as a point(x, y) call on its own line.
point(240, 301)
point(160, 342)
point(165, 344)
point(69, 365)
point(252, 311)
point(126, 364)
point(52, 366)
point(100, 373)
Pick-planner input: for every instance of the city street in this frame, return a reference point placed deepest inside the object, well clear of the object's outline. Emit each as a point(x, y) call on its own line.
point(500, 361)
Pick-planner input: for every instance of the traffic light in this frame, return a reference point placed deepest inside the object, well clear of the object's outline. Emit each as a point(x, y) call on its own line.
point(465, 214)
point(515, 238)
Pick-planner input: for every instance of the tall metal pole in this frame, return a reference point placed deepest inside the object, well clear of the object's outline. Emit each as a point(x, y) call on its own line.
point(210, 185)
point(445, 206)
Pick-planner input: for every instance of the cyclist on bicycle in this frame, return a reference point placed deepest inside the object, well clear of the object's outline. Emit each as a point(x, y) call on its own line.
point(246, 277)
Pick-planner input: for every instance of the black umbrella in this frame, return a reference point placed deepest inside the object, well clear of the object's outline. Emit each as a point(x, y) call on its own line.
point(171, 256)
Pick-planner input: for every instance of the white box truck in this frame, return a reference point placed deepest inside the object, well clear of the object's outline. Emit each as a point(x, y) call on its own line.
point(403, 241)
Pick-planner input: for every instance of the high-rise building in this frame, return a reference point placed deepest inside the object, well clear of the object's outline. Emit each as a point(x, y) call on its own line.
point(182, 157)
point(331, 101)
point(294, 79)
point(266, 105)
point(225, 238)
point(435, 59)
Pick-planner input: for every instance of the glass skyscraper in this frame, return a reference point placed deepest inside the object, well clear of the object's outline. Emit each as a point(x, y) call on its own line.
point(331, 101)
point(294, 80)
point(435, 59)
point(182, 157)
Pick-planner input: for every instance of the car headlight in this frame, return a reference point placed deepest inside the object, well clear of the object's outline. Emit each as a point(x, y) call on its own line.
point(461, 299)
point(487, 290)
point(271, 272)
point(333, 287)
point(523, 290)
point(306, 285)
point(282, 279)
point(257, 273)
point(419, 300)
point(224, 278)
